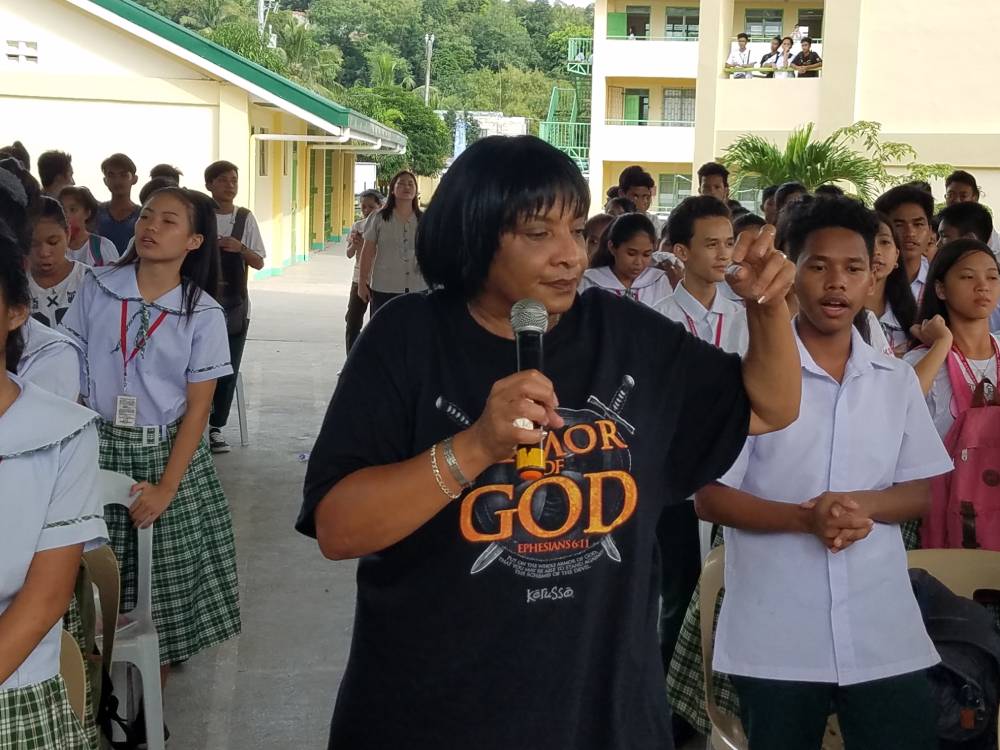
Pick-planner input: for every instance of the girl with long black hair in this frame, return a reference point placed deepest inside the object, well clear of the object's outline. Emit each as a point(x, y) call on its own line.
point(891, 300)
point(154, 343)
point(623, 262)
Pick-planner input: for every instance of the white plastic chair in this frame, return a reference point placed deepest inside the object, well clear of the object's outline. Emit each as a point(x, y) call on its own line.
point(136, 641)
point(241, 410)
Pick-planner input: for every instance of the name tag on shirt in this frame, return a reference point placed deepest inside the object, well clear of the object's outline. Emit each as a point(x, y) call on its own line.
point(126, 408)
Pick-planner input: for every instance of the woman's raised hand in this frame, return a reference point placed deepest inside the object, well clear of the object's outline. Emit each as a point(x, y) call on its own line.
point(760, 273)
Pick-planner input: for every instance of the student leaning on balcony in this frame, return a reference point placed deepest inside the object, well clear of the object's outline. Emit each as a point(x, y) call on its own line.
point(740, 57)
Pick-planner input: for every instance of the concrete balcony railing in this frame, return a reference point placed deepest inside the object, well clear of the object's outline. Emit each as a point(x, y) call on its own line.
point(647, 58)
point(657, 141)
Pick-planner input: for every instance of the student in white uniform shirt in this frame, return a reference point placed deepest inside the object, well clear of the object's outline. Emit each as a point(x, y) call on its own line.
point(85, 246)
point(53, 278)
point(623, 263)
point(637, 185)
point(911, 211)
point(740, 57)
point(812, 516)
point(961, 187)
point(891, 301)
point(154, 344)
point(242, 248)
point(48, 452)
point(702, 237)
point(955, 323)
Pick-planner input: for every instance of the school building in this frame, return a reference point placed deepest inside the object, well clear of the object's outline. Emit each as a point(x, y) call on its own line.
point(659, 96)
point(94, 77)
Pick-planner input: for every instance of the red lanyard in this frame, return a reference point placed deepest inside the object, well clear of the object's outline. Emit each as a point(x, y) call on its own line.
point(968, 372)
point(140, 340)
point(718, 329)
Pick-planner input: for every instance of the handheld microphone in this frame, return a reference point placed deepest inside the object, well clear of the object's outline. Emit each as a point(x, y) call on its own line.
point(530, 320)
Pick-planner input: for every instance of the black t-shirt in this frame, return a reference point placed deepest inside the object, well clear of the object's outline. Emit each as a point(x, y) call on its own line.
point(523, 616)
point(807, 58)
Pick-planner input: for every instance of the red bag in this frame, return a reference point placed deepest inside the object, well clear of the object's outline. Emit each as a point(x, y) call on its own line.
point(965, 503)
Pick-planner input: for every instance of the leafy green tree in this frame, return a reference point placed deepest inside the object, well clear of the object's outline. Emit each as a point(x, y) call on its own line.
point(356, 25)
point(243, 38)
point(557, 45)
point(516, 92)
point(306, 60)
point(854, 154)
point(429, 139)
point(208, 15)
point(386, 70)
point(497, 34)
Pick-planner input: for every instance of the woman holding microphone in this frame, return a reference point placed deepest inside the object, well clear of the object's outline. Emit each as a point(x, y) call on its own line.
point(496, 610)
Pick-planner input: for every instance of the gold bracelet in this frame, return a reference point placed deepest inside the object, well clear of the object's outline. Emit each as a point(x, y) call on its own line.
point(440, 480)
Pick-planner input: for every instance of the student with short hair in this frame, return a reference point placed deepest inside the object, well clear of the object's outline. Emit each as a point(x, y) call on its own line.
point(154, 344)
point(87, 247)
point(713, 180)
point(747, 221)
point(787, 194)
point(156, 183)
point(55, 171)
point(168, 172)
point(891, 299)
point(637, 185)
point(370, 201)
point(242, 248)
point(618, 206)
point(740, 57)
point(770, 58)
point(622, 264)
point(818, 609)
point(961, 187)
point(52, 514)
point(969, 220)
point(911, 211)
point(828, 190)
point(54, 278)
point(807, 63)
point(116, 218)
point(16, 150)
point(593, 229)
point(768, 205)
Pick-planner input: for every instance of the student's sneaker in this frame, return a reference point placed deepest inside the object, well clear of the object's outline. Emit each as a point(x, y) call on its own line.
point(216, 442)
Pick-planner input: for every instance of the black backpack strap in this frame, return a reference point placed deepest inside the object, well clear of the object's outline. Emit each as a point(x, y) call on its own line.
point(240, 223)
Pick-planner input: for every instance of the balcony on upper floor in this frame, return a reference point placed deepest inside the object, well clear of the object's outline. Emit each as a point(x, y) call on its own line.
point(657, 41)
point(650, 122)
point(580, 56)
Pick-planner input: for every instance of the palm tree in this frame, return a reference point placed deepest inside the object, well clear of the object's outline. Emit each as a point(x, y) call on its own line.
point(384, 68)
point(207, 15)
point(310, 63)
point(813, 163)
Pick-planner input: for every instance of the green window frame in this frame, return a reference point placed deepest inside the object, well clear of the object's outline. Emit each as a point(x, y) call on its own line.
point(673, 189)
point(763, 23)
point(682, 23)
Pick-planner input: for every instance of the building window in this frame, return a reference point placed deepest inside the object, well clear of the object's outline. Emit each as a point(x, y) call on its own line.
point(673, 189)
point(763, 23)
point(637, 21)
point(682, 23)
point(19, 51)
point(811, 19)
point(678, 106)
point(748, 194)
point(262, 153)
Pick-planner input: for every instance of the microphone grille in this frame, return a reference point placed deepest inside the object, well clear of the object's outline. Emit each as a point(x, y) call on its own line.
point(529, 315)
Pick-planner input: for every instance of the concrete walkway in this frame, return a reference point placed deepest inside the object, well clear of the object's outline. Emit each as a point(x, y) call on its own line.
point(274, 687)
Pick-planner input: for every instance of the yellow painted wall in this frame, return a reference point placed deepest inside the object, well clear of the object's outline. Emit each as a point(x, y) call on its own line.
point(655, 86)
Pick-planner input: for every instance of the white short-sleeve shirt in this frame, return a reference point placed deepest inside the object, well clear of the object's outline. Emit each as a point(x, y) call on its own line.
point(97, 251)
point(48, 452)
point(918, 284)
point(182, 349)
point(939, 396)
point(251, 231)
point(49, 305)
point(726, 320)
point(793, 610)
point(650, 286)
point(51, 360)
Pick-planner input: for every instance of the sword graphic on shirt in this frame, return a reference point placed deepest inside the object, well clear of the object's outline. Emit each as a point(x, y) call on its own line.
point(613, 412)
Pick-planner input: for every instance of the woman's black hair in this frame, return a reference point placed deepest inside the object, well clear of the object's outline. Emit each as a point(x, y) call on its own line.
point(20, 201)
point(201, 267)
point(898, 293)
point(157, 183)
point(386, 211)
point(945, 258)
point(51, 209)
point(625, 204)
point(14, 289)
point(85, 198)
point(621, 230)
point(496, 183)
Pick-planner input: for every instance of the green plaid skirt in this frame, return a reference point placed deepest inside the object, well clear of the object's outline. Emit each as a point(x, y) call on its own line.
point(39, 717)
point(195, 593)
point(685, 682)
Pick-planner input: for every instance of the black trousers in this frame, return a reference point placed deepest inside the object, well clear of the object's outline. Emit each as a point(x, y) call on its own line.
point(225, 389)
point(897, 713)
point(380, 298)
point(355, 317)
point(680, 557)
